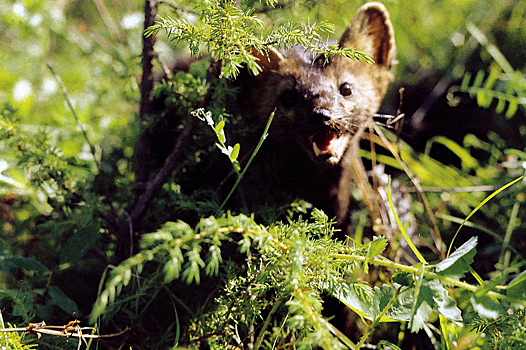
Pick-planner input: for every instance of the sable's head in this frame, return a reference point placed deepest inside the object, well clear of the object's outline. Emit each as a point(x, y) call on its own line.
point(319, 105)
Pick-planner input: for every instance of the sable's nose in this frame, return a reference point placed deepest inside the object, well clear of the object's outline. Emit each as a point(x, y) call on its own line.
point(320, 116)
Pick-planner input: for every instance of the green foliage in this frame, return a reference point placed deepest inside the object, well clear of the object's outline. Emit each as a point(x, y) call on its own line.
point(230, 34)
point(288, 268)
point(506, 332)
point(265, 283)
point(297, 262)
point(14, 340)
point(502, 83)
point(231, 152)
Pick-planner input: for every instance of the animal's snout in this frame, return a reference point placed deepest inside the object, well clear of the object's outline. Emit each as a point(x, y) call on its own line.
point(321, 116)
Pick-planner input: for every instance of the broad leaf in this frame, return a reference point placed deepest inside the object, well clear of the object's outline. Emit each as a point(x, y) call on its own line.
point(60, 299)
point(447, 307)
point(457, 264)
point(373, 249)
point(369, 303)
point(235, 152)
point(422, 308)
point(517, 287)
point(80, 241)
point(9, 265)
point(377, 246)
point(486, 307)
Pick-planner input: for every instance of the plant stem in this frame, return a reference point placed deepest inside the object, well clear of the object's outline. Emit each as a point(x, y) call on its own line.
point(504, 258)
point(265, 325)
point(429, 274)
point(377, 319)
point(263, 137)
point(401, 226)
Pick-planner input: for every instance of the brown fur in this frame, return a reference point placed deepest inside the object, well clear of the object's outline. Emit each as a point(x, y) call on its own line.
point(313, 106)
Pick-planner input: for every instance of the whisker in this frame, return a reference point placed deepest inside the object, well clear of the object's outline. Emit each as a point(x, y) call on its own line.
point(387, 120)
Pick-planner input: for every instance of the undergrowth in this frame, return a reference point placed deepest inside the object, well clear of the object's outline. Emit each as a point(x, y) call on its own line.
point(223, 280)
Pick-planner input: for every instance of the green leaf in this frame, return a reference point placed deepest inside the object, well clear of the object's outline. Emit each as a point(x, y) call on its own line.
point(465, 81)
point(221, 138)
point(10, 264)
point(80, 241)
point(377, 246)
point(358, 297)
point(447, 307)
point(404, 279)
point(479, 79)
point(486, 306)
point(219, 127)
point(373, 249)
point(423, 307)
point(458, 263)
point(468, 161)
point(60, 299)
point(369, 303)
point(517, 287)
point(500, 106)
point(235, 152)
point(237, 166)
point(483, 98)
point(512, 108)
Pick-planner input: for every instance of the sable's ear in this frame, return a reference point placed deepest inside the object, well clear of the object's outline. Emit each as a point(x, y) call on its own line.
point(271, 60)
point(371, 31)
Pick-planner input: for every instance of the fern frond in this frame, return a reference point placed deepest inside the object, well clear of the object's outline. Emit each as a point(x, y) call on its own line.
point(486, 88)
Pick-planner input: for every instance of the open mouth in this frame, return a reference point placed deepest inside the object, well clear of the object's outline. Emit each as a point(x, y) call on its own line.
point(330, 144)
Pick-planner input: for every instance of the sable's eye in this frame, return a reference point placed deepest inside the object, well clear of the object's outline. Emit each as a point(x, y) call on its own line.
point(288, 98)
point(346, 89)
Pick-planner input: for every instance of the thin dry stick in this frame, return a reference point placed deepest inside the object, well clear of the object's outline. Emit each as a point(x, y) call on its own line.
point(70, 330)
point(113, 26)
point(80, 125)
point(177, 152)
point(354, 169)
point(91, 147)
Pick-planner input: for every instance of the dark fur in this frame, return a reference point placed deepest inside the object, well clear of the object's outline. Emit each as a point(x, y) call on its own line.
point(313, 105)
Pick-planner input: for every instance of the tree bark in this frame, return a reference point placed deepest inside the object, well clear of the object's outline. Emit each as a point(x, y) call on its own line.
point(126, 240)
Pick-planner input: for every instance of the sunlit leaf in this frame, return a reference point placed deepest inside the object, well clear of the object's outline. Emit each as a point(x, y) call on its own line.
point(517, 287)
point(486, 307)
point(458, 262)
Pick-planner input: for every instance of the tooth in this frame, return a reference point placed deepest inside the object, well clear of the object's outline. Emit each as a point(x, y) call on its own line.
point(316, 149)
point(336, 147)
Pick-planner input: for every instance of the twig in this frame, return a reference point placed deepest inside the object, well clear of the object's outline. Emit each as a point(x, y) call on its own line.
point(378, 318)
point(420, 269)
point(80, 125)
point(125, 243)
point(72, 329)
point(173, 159)
point(143, 146)
point(168, 167)
point(353, 168)
point(113, 27)
point(116, 221)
